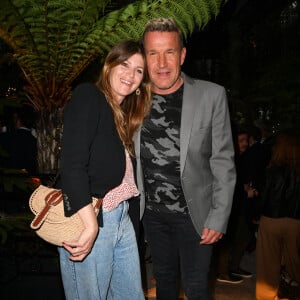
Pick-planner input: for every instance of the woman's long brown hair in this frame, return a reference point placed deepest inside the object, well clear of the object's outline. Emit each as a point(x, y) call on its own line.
point(286, 151)
point(130, 114)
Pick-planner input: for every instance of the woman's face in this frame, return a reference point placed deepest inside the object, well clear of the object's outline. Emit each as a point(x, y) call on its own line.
point(126, 77)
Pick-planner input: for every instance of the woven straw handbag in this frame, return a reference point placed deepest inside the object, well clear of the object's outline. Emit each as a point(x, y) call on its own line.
point(49, 222)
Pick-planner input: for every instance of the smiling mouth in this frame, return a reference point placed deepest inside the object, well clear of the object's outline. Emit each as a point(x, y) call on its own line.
point(163, 73)
point(126, 82)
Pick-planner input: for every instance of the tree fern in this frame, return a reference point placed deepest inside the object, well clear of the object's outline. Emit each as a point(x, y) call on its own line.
point(51, 37)
point(54, 40)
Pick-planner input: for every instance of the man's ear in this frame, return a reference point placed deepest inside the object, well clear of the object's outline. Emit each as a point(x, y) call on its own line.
point(182, 55)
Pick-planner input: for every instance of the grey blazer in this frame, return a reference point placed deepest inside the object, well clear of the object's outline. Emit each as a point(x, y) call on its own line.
point(206, 155)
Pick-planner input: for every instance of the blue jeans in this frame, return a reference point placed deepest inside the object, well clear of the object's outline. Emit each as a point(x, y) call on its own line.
point(174, 244)
point(112, 269)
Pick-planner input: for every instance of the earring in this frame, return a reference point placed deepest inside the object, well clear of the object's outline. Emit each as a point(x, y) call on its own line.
point(138, 91)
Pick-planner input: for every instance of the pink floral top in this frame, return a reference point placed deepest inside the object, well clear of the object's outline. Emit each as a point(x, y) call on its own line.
point(126, 190)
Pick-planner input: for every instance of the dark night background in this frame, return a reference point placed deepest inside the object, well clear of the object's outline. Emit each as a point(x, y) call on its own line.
point(251, 48)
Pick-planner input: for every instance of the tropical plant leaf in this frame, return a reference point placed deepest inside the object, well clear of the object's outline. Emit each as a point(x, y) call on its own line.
point(54, 40)
point(14, 224)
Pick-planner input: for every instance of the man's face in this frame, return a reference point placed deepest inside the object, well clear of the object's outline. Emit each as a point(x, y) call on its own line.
point(243, 142)
point(164, 59)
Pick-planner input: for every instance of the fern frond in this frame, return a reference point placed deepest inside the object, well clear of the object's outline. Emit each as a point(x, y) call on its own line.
point(54, 40)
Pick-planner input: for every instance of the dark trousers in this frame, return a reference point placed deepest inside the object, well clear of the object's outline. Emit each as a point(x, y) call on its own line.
point(241, 238)
point(174, 247)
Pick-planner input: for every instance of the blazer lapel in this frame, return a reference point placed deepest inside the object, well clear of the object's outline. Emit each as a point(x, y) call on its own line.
point(187, 116)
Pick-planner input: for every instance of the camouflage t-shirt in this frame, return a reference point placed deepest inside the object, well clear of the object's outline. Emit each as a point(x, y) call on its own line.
point(160, 150)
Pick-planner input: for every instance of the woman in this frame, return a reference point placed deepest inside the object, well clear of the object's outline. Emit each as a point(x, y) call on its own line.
point(99, 123)
point(278, 241)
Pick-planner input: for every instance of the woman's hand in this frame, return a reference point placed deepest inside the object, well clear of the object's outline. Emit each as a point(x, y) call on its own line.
point(83, 246)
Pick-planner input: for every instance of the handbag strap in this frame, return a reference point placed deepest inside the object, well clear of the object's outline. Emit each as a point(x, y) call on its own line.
point(52, 199)
point(98, 205)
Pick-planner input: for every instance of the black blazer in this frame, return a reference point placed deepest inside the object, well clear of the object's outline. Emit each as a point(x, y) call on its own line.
point(93, 156)
point(281, 193)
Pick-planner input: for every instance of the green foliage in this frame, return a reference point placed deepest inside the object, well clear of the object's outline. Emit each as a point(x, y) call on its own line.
point(14, 225)
point(11, 179)
point(54, 40)
point(260, 61)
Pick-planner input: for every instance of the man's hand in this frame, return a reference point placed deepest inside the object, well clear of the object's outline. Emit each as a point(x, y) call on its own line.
point(250, 190)
point(210, 236)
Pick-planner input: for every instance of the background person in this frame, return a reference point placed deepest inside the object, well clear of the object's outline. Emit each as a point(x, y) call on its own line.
point(231, 248)
point(99, 123)
point(278, 241)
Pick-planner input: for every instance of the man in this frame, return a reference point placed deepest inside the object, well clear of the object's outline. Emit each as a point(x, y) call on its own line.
point(238, 235)
point(185, 167)
point(257, 159)
point(243, 142)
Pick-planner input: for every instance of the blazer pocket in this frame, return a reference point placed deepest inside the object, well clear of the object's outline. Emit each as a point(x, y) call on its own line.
point(200, 142)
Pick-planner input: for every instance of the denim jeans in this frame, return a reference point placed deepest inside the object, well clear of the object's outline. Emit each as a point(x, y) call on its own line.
point(112, 269)
point(174, 243)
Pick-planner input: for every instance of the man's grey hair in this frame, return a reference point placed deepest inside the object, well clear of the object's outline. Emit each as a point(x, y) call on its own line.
point(163, 25)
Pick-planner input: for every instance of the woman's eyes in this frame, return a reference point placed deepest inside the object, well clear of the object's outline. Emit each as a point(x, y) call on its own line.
point(126, 65)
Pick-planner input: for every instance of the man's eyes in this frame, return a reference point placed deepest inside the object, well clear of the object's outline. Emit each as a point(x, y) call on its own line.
point(171, 51)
